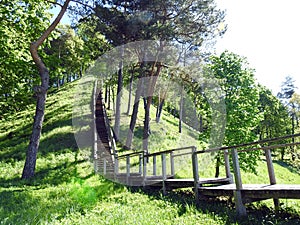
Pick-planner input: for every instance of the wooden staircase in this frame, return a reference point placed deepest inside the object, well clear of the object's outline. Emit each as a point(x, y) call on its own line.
point(103, 157)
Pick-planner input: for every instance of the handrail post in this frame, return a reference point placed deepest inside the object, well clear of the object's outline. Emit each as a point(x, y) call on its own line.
point(154, 165)
point(271, 172)
point(172, 164)
point(144, 167)
point(227, 166)
point(140, 163)
point(195, 173)
point(164, 172)
point(95, 146)
point(240, 207)
point(127, 169)
point(116, 165)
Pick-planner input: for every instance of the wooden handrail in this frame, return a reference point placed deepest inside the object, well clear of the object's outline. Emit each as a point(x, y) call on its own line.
point(130, 154)
point(269, 147)
point(252, 143)
point(169, 151)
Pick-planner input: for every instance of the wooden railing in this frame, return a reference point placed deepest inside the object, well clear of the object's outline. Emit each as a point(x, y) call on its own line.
point(111, 140)
point(143, 163)
point(241, 210)
point(142, 159)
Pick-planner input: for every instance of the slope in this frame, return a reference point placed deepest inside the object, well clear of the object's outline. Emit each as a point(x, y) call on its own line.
point(66, 190)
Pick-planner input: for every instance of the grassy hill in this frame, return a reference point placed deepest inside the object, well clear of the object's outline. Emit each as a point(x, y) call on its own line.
point(66, 190)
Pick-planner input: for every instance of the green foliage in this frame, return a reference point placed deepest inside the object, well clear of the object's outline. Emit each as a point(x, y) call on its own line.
point(21, 22)
point(242, 101)
point(275, 121)
point(126, 21)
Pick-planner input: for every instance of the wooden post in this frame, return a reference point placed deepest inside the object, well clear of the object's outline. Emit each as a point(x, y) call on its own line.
point(172, 164)
point(271, 172)
point(95, 146)
point(140, 163)
point(127, 169)
point(116, 168)
point(144, 168)
point(164, 172)
point(227, 166)
point(195, 173)
point(154, 165)
point(116, 165)
point(238, 198)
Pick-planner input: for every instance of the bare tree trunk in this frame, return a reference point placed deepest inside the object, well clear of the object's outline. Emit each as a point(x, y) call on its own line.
point(181, 109)
point(160, 108)
point(293, 139)
point(118, 101)
point(135, 110)
point(109, 100)
point(105, 95)
point(129, 95)
point(58, 83)
point(200, 123)
point(41, 91)
point(146, 132)
point(218, 163)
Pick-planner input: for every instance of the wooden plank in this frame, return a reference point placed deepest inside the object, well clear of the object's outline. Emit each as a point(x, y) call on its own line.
point(164, 172)
point(172, 183)
point(256, 191)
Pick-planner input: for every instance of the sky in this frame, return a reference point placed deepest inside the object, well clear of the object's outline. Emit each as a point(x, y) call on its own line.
point(266, 32)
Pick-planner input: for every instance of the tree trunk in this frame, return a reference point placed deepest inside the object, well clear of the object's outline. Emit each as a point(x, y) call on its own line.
point(158, 103)
point(218, 163)
point(105, 95)
point(118, 101)
point(108, 104)
point(181, 110)
point(113, 98)
point(57, 83)
point(146, 132)
point(129, 95)
point(160, 108)
point(293, 139)
point(135, 110)
point(30, 163)
point(41, 91)
point(200, 123)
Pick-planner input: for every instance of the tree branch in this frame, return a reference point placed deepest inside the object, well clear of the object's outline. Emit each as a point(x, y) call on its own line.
point(40, 41)
point(81, 3)
point(35, 45)
point(54, 3)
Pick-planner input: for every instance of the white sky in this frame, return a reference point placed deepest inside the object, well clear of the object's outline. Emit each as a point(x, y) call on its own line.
point(266, 32)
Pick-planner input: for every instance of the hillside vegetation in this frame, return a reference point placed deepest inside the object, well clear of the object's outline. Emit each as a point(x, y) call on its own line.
point(66, 190)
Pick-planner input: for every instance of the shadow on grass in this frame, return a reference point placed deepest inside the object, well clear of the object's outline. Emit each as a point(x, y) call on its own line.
point(223, 208)
point(37, 204)
point(287, 165)
point(58, 143)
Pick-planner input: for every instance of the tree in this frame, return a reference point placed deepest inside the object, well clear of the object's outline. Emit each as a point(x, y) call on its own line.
point(176, 21)
point(287, 90)
point(41, 93)
point(241, 99)
point(20, 23)
point(276, 121)
point(275, 115)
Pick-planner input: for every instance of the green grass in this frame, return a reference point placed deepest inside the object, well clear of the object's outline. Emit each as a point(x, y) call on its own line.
point(66, 190)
